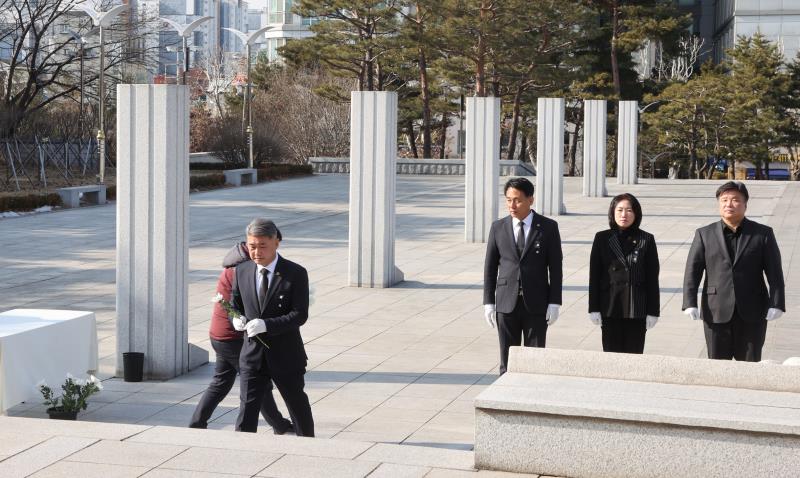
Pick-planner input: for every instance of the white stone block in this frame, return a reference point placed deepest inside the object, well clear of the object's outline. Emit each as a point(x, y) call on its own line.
point(594, 148)
point(152, 227)
point(627, 142)
point(698, 418)
point(482, 167)
point(550, 157)
point(241, 177)
point(373, 158)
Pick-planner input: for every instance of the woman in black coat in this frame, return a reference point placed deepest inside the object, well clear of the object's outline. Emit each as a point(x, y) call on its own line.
point(623, 278)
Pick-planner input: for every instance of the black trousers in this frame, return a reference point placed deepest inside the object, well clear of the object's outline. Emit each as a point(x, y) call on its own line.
point(736, 339)
point(518, 328)
point(623, 335)
point(225, 371)
point(255, 380)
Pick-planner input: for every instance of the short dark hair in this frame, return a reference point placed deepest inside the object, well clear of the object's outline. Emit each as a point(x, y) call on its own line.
point(520, 184)
point(733, 186)
point(637, 210)
point(261, 227)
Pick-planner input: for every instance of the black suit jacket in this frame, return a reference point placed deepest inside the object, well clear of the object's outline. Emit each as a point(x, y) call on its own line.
point(738, 284)
point(284, 311)
point(620, 285)
point(539, 268)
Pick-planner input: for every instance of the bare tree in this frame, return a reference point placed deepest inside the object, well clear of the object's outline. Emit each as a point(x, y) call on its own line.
point(306, 123)
point(655, 63)
point(221, 74)
point(42, 67)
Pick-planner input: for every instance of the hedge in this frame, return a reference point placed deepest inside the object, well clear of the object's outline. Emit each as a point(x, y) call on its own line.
point(206, 166)
point(207, 181)
point(29, 202)
point(282, 170)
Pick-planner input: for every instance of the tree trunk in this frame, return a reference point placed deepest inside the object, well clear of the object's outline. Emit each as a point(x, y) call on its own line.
point(614, 53)
point(412, 143)
point(443, 139)
point(572, 152)
point(512, 135)
point(425, 94)
point(523, 148)
point(370, 83)
point(480, 54)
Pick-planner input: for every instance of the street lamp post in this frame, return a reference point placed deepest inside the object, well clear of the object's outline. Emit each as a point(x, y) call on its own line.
point(184, 31)
point(102, 20)
point(248, 39)
point(81, 40)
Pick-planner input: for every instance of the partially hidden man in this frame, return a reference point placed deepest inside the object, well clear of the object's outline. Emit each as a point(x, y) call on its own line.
point(272, 293)
point(522, 272)
point(736, 254)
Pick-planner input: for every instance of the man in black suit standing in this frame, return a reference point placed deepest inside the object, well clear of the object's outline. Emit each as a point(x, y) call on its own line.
point(273, 292)
point(522, 272)
point(735, 254)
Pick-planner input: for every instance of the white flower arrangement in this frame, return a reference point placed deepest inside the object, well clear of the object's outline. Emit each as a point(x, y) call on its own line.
point(74, 393)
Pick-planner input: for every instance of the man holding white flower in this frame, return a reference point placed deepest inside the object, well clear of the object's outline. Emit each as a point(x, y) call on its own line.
point(272, 294)
point(227, 344)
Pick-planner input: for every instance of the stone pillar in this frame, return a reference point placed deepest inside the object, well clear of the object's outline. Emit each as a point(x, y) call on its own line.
point(152, 228)
point(627, 134)
point(550, 157)
point(594, 148)
point(482, 167)
point(373, 163)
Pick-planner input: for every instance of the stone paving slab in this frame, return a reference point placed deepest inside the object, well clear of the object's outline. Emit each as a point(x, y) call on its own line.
point(289, 466)
point(186, 437)
point(42, 455)
point(127, 453)
point(222, 461)
point(419, 456)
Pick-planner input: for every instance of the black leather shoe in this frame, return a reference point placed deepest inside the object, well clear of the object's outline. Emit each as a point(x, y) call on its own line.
point(284, 427)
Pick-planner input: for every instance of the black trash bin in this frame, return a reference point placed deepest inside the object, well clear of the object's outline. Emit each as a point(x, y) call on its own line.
point(133, 366)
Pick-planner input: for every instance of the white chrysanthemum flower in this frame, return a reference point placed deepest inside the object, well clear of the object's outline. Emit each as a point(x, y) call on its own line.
point(217, 298)
point(96, 381)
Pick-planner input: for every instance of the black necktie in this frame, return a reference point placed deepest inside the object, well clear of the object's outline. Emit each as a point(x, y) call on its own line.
point(521, 238)
point(262, 288)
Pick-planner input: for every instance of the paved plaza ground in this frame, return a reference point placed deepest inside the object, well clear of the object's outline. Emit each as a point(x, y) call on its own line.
point(392, 366)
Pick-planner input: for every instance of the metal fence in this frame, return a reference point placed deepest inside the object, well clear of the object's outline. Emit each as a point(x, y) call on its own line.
point(32, 163)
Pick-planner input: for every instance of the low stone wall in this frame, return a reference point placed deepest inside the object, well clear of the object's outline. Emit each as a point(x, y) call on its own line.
point(438, 167)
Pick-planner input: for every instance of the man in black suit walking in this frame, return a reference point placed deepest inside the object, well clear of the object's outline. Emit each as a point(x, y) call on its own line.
point(522, 272)
point(735, 254)
point(273, 292)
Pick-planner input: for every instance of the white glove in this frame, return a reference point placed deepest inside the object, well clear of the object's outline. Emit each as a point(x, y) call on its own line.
point(239, 323)
point(490, 315)
point(650, 321)
point(692, 312)
point(774, 314)
point(596, 318)
point(552, 313)
point(255, 327)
